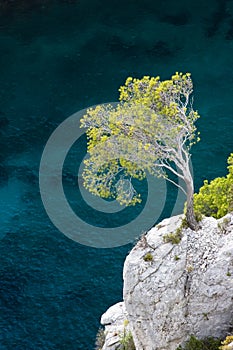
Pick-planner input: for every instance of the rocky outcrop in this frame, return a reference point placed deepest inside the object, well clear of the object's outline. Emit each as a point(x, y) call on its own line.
point(115, 320)
point(174, 290)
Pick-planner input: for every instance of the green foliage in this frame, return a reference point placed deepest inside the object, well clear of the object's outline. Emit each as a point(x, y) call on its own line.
point(173, 238)
point(151, 127)
point(216, 198)
point(184, 223)
point(100, 339)
point(127, 342)
point(148, 257)
point(226, 342)
point(198, 216)
point(205, 344)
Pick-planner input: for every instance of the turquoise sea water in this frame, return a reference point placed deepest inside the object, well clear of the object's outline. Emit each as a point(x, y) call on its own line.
point(56, 58)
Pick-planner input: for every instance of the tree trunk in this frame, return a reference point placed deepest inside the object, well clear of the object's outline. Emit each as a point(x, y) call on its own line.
point(190, 216)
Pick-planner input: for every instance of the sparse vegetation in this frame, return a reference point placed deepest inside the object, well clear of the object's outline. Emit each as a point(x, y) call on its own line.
point(148, 257)
point(204, 344)
point(100, 339)
point(184, 223)
point(173, 238)
point(126, 341)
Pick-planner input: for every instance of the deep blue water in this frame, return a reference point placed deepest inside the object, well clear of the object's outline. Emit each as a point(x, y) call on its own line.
point(55, 59)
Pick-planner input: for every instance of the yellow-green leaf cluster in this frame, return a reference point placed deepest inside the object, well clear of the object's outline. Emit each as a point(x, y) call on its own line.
point(153, 121)
point(215, 198)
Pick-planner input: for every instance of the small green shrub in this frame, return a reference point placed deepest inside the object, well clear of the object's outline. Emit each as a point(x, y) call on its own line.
point(184, 223)
point(127, 342)
point(216, 198)
point(173, 238)
point(204, 344)
point(148, 257)
point(100, 339)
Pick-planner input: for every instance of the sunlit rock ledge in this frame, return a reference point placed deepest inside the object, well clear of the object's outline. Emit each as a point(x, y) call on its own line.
point(174, 290)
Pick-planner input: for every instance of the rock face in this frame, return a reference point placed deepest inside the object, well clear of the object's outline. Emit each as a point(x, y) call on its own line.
point(185, 289)
point(115, 322)
point(178, 289)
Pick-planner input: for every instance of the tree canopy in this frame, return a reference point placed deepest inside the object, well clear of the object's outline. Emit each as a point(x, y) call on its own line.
point(151, 130)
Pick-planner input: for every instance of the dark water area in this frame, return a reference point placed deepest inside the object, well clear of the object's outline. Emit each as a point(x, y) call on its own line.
point(58, 57)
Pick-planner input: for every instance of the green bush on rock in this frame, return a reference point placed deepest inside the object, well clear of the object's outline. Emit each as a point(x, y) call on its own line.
point(173, 238)
point(127, 342)
point(148, 257)
point(216, 198)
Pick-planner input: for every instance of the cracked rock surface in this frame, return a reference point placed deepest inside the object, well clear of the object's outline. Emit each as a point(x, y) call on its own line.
point(183, 289)
point(187, 288)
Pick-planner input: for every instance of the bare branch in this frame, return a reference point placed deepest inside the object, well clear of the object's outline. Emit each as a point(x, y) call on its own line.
point(177, 185)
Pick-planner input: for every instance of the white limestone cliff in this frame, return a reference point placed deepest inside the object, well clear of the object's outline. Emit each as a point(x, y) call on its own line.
point(183, 289)
point(115, 322)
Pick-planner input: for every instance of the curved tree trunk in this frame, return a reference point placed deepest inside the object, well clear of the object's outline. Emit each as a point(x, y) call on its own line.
point(190, 216)
point(184, 166)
